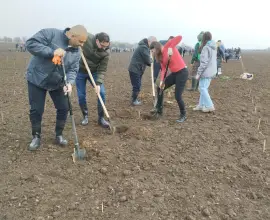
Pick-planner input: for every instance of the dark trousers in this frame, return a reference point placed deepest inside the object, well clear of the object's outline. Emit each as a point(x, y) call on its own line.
point(136, 82)
point(81, 80)
point(37, 98)
point(178, 79)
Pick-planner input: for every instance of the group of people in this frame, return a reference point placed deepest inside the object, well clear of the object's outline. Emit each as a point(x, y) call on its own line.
point(169, 67)
point(233, 54)
point(20, 47)
point(205, 64)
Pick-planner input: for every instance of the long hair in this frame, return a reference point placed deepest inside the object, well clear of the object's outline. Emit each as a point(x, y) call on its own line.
point(158, 54)
point(206, 37)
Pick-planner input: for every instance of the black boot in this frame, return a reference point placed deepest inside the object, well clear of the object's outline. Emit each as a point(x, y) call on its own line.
point(35, 143)
point(85, 114)
point(101, 120)
point(158, 111)
point(60, 140)
point(182, 118)
point(36, 131)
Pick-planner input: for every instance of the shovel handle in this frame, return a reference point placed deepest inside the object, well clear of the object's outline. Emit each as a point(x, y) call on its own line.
point(94, 84)
point(70, 109)
point(166, 72)
point(152, 75)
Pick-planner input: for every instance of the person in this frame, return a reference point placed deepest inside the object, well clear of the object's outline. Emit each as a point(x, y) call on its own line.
point(177, 77)
point(96, 51)
point(139, 60)
point(220, 57)
point(43, 75)
point(206, 71)
point(180, 50)
point(157, 69)
point(184, 51)
point(238, 52)
point(157, 66)
point(195, 63)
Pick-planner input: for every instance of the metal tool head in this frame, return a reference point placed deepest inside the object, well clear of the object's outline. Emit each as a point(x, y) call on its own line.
point(78, 154)
point(121, 128)
point(118, 129)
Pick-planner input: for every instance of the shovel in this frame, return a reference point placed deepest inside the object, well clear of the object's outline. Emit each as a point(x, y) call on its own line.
point(113, 128)
point(79, 153)
point(152, 80)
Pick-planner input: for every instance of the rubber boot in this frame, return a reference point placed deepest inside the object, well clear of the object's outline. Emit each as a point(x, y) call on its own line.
point(158, 111)
point(35, 143)
point(193, 85)
point(85, 114)
point(59, 127)
point(36, 131)
point(101, 120)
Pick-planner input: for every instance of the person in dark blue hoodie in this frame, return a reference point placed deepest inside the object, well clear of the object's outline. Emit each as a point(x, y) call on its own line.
point(140, 59)
point(45, 76)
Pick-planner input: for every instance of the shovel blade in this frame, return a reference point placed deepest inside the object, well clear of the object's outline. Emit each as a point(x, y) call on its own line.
point(78, 154)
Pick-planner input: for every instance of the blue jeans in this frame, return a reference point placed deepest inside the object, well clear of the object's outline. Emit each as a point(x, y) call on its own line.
point(205, 99)
point(81, 90)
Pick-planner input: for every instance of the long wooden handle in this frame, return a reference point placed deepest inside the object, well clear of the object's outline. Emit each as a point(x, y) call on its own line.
point(94, 84)
point(152, 76)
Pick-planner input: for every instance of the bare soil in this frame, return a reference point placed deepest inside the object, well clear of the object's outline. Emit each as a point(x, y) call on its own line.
point(214, 166)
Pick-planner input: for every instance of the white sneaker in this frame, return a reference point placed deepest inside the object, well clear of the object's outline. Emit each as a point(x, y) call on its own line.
point(198, 108)
point(210, 109)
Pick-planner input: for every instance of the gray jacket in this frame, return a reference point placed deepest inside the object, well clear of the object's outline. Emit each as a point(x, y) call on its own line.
point(141, 58)
point(208, 61)
point(41, 71)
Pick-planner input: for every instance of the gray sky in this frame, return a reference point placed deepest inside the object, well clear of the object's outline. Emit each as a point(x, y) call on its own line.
point(235, 22)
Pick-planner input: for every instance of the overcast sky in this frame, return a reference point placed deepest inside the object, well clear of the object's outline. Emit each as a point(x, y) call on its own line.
point(235, 22)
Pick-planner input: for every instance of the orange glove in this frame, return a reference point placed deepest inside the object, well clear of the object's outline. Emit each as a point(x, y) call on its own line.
point(57, 60)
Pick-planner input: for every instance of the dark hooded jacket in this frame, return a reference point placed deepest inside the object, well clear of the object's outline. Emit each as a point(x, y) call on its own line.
point(141, 58)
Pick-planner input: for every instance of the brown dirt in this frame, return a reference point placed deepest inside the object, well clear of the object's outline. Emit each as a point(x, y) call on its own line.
point(213, 166)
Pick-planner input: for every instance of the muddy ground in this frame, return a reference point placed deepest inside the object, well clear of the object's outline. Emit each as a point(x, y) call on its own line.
point(214, 166)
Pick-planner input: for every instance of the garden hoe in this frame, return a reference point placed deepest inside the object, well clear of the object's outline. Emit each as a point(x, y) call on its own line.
point(113, 128)
point(79, 153)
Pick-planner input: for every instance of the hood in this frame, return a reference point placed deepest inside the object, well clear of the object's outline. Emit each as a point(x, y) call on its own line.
point(211, 44)
point(200, 36)
point(143, 42)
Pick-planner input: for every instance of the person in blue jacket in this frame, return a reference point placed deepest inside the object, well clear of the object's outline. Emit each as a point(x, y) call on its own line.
point(44, 76)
